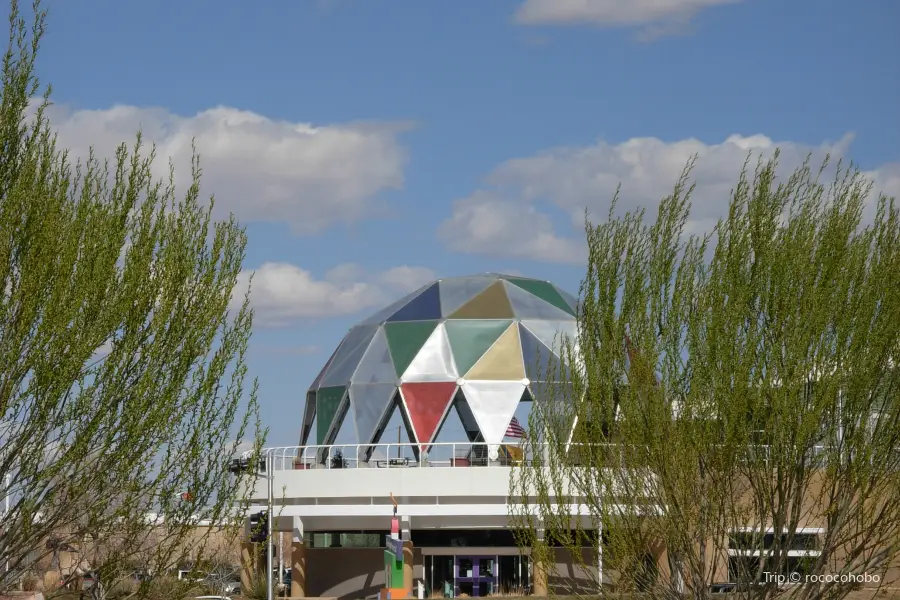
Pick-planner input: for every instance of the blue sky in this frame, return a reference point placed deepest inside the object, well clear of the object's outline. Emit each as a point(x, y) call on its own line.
point(369, 150)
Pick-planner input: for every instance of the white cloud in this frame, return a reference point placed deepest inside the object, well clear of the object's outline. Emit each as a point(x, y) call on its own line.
point(283, 294)
point(259, 168)
point(666, 16)
point(503, 219)
point(490, 223)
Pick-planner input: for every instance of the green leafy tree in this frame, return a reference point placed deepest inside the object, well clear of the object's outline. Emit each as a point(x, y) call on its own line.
point(726, 386)
point(122, 368)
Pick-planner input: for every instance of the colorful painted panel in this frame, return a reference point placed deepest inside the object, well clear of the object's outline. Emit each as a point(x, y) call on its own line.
point(503, 360)
point(457, 291)
point(434, 362)
point(493, 404)
point(492, 303)
point(544, 290)
point(471, 339)
point(406, 339)
point(376, 365)
point(370, 402)
point(426, 305)
point(328, 401)
point(426, 404)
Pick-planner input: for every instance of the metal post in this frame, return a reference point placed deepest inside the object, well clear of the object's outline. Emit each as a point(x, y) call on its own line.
point(8, 483)
point(280, 557)
point(600, 556)
point(270, 464)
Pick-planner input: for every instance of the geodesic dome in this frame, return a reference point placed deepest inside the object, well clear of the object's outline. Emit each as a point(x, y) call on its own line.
point(482, 340)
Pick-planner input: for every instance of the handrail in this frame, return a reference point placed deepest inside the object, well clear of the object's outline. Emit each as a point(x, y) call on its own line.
point(455, 454)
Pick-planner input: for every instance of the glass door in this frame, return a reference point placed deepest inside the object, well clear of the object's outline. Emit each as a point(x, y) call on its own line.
point(475, 576)
point(487, 575)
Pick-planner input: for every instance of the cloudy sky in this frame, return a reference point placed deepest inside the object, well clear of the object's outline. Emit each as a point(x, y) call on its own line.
point(372, 146)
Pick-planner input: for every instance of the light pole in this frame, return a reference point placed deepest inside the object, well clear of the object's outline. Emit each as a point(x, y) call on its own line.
point(270, 486)
point(241, 465)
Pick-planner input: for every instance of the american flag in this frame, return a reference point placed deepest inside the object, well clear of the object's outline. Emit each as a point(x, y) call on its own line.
point(514, 430)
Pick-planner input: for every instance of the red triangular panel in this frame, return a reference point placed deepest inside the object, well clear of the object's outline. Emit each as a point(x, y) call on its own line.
point(427, 402)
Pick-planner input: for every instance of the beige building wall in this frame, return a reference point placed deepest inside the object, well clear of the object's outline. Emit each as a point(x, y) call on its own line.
point(349, 573)
point(571, 577)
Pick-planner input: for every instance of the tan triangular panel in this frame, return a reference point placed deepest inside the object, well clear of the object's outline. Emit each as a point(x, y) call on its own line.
point(492, 303)
point(503, 361)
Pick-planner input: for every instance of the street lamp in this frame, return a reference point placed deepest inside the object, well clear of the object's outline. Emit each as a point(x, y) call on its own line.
point(267, 465)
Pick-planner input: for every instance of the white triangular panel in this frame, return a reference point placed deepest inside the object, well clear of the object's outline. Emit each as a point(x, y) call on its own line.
point(493, 404)
point(434, 362)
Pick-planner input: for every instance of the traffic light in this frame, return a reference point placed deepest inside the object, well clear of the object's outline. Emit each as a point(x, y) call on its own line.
point(259, 527)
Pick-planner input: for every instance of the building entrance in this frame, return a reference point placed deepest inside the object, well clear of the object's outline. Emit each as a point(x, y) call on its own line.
point(475, 575)
point(476, 571)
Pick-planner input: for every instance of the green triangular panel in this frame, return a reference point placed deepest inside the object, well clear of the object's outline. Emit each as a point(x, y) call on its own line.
point(469, 340)
point(328, 400)
point(405, 339)
point(543, 290)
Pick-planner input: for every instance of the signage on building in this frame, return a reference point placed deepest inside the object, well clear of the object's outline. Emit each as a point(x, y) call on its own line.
point(395, 547)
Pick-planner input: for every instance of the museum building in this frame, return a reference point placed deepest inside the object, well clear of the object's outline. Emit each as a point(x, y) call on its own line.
point(474, 347)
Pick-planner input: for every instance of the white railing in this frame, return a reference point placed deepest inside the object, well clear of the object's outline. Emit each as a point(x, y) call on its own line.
point(397, 455)
point(468, 454)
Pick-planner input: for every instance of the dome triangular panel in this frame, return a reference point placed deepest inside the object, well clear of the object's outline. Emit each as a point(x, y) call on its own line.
point(503, 360)
point(544, 290)
point(540, 361)
point(426, 404)
point(471, 339)
point(382, 315)
point(328, 403)
point(405, 339)
point(376, 365)
point(318, 379)
point(434, 361)
point(493, 404)
point(456, 292)
point(370, 402)
point(425, 306)
point(526, 305)
point(348, 357)
point(553, 334)
point(492, 303)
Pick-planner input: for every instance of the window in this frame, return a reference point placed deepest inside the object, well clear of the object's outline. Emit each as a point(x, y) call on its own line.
point(748, 548)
